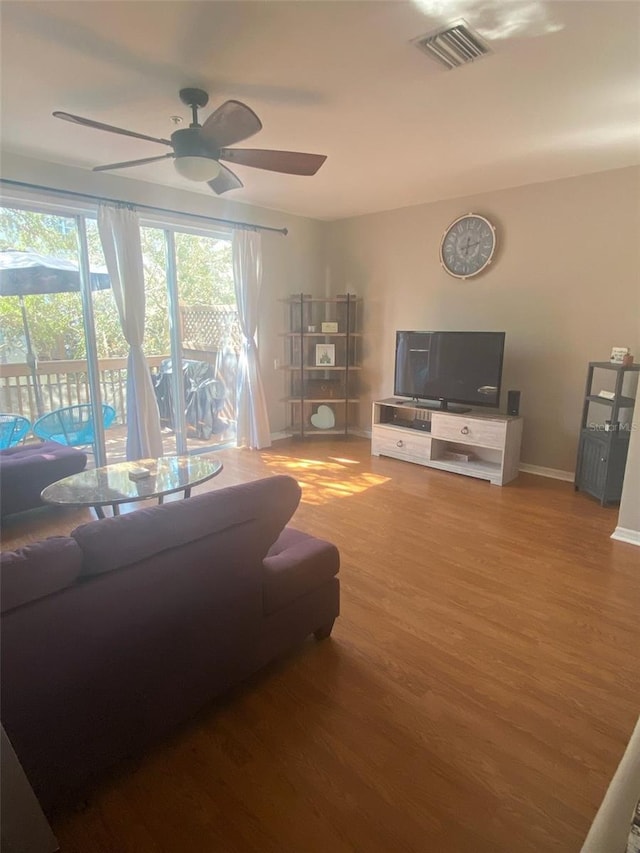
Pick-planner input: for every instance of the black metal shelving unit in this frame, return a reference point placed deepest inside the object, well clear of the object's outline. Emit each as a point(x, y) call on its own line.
point(312, 385)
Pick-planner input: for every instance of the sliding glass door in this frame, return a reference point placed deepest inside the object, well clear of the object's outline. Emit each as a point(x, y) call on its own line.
point(46, 352)
point(65, 348)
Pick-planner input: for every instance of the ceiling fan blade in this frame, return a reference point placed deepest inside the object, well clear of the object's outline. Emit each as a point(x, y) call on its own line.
point(230, 123)
point(127, 163)
point(225, 181)
point(87, 122)
point(289, 162)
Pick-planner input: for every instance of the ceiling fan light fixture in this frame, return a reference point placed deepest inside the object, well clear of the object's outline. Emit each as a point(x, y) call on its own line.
point(200, 169)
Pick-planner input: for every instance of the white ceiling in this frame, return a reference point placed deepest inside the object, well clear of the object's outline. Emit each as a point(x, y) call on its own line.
point(559, 96)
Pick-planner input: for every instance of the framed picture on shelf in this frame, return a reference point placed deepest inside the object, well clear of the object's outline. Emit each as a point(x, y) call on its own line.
point(329, 327)
point(325, 355)
point(617, 353)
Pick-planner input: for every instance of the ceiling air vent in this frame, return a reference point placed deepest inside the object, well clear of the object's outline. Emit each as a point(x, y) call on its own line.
point(453, 46)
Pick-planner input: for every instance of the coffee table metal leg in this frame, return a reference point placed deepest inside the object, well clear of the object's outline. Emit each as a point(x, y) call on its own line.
point(116, 509)
point(187, 492)
point(99, 511)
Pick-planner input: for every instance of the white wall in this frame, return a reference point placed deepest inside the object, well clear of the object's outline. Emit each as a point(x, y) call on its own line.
point(290, 264)
point(564, 285)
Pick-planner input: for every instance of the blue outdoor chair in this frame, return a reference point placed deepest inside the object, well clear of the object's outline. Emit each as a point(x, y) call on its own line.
point(13, 429)
point(73, 426)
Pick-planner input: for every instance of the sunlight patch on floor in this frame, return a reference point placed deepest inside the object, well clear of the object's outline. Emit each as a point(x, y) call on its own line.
point(322, 481)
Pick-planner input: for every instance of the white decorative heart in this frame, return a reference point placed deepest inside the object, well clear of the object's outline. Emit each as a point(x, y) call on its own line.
point(323, 418)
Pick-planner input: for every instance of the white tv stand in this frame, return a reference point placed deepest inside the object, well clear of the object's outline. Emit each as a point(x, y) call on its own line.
point(404, 430)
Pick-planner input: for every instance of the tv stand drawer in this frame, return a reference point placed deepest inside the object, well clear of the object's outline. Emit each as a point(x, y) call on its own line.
point(463, 429)
point(401, 443)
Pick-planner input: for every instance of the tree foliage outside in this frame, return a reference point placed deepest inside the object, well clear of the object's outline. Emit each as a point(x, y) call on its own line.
point(205, 277)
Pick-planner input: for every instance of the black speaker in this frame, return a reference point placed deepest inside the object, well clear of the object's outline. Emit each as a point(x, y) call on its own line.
point(513, 403)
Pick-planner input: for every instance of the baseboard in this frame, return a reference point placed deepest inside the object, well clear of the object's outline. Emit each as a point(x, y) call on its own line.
point(361, 433)
point(625, 534)
point(277, 436)
point(552, 473)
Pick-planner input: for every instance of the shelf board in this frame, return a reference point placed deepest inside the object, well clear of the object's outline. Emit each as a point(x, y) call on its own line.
point(319, 334)
point(335, 400)
point(609, 365)
point(299, 367)
point(296, 300)
point(623, 402)
point(623, 433)
point(478, 466)
point(312, 431)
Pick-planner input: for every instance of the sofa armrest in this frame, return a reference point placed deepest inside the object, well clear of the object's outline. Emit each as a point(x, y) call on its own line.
point(295, 565)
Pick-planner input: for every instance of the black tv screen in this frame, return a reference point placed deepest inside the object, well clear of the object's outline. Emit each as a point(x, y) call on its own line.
point(457, 367)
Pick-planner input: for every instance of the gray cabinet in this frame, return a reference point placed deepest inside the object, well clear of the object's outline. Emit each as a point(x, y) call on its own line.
point(601, 462)
point(603, 447)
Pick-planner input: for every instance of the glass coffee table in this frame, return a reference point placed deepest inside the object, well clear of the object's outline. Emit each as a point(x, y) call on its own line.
point(113, 485)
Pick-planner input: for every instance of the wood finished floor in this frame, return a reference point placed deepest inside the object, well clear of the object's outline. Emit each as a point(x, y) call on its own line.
point(476, 695)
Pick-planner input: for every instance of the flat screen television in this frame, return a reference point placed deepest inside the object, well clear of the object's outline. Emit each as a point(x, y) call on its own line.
point(449, 367)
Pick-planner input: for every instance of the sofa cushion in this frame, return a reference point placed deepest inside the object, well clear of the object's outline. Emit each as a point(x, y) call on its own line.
point(38, 570)
point(46, 452)
point(114, 543)
point(296, 564)
point(25, 470)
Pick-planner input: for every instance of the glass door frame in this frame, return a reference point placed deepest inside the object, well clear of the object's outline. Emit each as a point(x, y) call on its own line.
point(175, 343)
point(88, 323)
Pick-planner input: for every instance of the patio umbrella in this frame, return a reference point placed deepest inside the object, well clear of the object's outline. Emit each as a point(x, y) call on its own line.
point(28, 273)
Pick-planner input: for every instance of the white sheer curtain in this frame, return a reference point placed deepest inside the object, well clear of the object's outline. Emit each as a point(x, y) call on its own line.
point(253, 420)
point(119, 230)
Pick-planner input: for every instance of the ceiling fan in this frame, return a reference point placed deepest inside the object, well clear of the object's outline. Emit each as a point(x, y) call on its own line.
point(199, 148)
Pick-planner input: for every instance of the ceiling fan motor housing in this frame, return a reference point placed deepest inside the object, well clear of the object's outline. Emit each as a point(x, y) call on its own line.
point(187, 143)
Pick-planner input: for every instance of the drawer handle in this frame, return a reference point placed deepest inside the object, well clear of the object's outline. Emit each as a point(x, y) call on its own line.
point(603, 458)
point(400, 443)
point(465, 430)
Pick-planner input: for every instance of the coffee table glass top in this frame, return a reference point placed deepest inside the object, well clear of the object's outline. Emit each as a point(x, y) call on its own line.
point(111, 485)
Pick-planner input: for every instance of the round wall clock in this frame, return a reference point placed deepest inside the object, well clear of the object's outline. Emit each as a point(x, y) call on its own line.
point(467, 245)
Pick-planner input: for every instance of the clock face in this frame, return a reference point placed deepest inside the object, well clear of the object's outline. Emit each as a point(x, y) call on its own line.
point(467, 246)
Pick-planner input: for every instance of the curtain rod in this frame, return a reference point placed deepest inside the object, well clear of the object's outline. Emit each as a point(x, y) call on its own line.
point(244, 225)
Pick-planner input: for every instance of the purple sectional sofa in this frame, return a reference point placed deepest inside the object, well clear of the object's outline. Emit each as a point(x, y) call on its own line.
point(25, 470)
point(114, 635)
